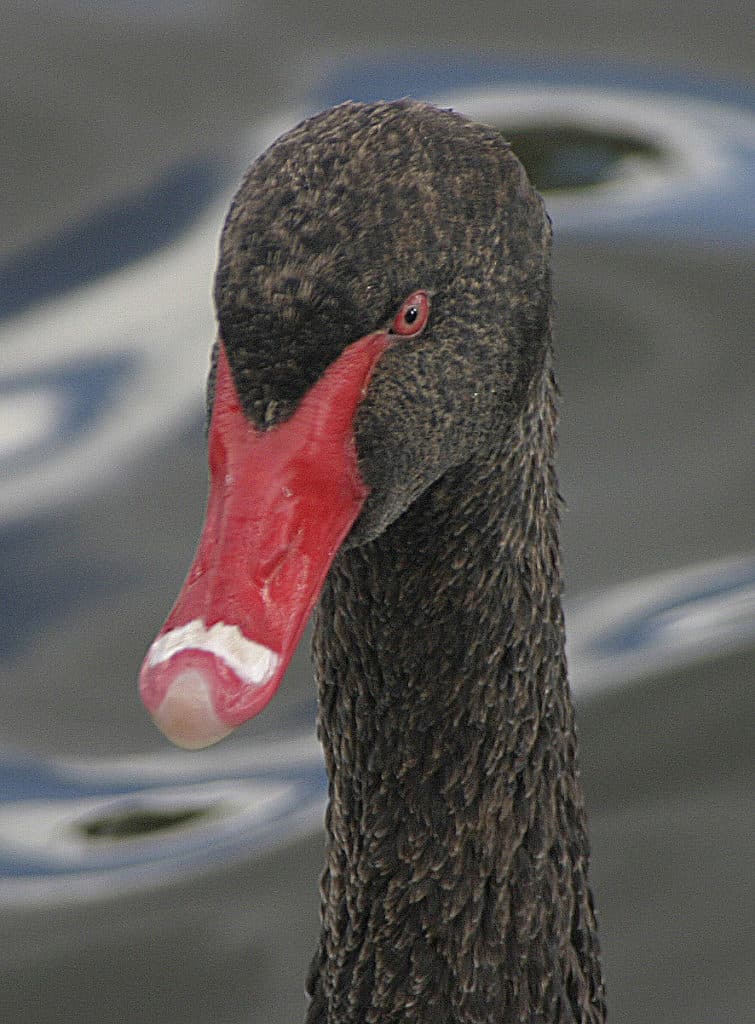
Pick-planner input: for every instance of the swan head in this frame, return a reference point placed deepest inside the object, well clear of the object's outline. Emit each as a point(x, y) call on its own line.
point(383, 302)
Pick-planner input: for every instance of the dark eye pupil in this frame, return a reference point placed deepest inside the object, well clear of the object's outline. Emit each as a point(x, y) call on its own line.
point(411, 314)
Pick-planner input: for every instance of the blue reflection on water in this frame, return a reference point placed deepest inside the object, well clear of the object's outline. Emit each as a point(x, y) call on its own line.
point(260, 796)
point(55, 839)
point(80, 390)
point(705, 597)
point(120, 232)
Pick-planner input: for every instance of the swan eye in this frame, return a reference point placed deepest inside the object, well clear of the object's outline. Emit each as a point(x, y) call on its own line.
point(412, 317)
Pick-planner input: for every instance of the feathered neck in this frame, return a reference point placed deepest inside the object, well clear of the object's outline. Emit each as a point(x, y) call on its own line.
point(455, 886)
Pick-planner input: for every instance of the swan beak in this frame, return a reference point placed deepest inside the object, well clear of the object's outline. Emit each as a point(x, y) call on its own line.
point(281, 503)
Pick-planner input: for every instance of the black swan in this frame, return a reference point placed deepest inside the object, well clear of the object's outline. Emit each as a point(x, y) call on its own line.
point(382, 412)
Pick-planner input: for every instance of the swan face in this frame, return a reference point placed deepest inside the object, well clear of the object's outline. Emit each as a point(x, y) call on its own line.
point(331, 230)
point(330, 412)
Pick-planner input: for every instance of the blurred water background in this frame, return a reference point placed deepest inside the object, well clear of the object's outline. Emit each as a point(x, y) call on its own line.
point(141, 884)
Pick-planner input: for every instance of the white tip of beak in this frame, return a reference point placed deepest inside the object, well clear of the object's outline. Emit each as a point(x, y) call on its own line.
point(186, 715)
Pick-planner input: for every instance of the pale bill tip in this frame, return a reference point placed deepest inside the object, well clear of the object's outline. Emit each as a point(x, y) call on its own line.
point(186, 714)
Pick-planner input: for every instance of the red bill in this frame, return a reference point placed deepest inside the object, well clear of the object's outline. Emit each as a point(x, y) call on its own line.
point(281, 503)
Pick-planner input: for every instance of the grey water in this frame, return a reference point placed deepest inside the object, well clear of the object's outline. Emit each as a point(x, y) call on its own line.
point(654, 352)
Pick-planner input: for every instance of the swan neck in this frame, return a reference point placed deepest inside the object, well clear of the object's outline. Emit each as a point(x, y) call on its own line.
point(455, 885)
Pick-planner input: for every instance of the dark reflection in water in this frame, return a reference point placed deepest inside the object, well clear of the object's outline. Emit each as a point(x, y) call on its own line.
point(141, 822)
point(570, 157)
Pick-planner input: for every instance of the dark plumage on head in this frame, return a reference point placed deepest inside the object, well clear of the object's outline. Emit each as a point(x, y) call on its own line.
point(333, 227)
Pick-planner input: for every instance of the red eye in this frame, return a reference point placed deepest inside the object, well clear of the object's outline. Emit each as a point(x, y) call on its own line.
point(412, 316)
